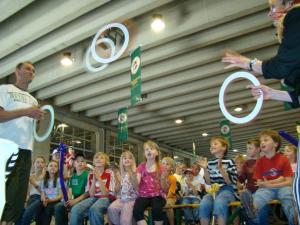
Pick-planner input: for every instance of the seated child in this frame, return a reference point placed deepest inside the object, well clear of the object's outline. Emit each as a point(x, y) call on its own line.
point(220, 171)
point(168, 165)
point(245, 175)
point(99, 182)
point(274, 176)
point(120, 211)
point(191, 188)
point(34, 204)
point(290, 151)
point(76, 191)
point(51, 192)
point(152, 180)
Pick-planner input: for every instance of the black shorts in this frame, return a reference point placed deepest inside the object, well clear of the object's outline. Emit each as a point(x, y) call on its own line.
point(16, 187)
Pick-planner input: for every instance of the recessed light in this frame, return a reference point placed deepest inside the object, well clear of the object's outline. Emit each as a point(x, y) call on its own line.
point(204, 134)
point(175, 157)
point(245, 155)
point(157, 24)
point(235, 150)
point(66, 59)
point(238, 109)
point(179, 121)
point(62, 125)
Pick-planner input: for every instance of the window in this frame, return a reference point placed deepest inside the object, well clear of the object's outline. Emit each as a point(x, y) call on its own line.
point(115, 149)
point(82, 141)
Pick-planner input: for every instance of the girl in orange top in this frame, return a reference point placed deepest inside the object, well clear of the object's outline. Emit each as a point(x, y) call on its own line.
point(168, 165)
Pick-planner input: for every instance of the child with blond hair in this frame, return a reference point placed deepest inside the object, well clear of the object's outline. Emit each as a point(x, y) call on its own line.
point(290, 151)
point(120, 211)
point(152, 181)
point(168, 164)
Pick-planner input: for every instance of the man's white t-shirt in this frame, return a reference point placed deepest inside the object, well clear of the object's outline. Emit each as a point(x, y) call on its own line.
point(19, 130)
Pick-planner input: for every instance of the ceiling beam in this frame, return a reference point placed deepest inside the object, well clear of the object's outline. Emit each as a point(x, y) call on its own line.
point(119, 86)
point(75, 31)
point(38, 19)
point(196, 118)
point(157, 53)
point(175, 28)
point(10, 7)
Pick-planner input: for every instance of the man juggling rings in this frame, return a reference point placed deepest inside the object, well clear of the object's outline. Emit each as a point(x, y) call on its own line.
point(18, 110)
point(285, 65)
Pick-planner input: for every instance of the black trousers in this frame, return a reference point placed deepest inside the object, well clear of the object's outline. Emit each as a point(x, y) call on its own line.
point(156, 203)
point(16, 187)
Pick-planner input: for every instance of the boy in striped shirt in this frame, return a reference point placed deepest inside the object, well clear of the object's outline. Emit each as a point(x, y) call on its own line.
point(222, 171)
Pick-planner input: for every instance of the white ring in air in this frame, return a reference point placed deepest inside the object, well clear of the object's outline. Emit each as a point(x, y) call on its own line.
point(120, 52)
point(48, 131)
point(254, 113)
point(87, 55)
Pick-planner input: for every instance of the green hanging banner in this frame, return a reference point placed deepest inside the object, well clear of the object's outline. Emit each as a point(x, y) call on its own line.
point(136, 80)
point(226, 132)
point(286, 105)
point(122, 124)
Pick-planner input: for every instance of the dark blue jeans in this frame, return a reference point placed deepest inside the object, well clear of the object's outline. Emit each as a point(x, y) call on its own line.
point(32, 211)
point(61, 214)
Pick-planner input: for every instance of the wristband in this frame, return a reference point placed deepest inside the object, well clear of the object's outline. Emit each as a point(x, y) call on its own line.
point(251, 63)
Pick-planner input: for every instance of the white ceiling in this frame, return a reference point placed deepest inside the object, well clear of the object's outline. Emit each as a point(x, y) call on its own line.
point(181, 72)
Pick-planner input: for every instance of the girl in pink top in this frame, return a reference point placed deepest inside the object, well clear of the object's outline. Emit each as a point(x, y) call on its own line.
point(152, 180)
point(120, 211)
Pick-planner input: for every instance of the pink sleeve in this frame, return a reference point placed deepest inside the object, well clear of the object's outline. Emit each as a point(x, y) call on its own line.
point(141, 168)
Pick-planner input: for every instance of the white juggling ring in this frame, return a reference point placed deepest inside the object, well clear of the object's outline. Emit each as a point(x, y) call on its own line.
point(120, 52)
point(254, 113)
point(48, 131)
point(88, 53)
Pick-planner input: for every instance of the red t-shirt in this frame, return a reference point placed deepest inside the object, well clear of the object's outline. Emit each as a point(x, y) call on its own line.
point(106, 179)
point(273, 168)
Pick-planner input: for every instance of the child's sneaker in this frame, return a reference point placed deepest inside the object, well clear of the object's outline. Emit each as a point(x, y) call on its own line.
point(247, 204)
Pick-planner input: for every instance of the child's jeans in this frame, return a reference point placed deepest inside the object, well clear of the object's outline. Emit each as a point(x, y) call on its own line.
point(190, 214)
point(219, 206)
point(264, 195)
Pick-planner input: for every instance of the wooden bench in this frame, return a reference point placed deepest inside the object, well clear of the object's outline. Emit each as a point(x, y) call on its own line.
point(236, 213)
point(237, 203)
point(178, 212)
